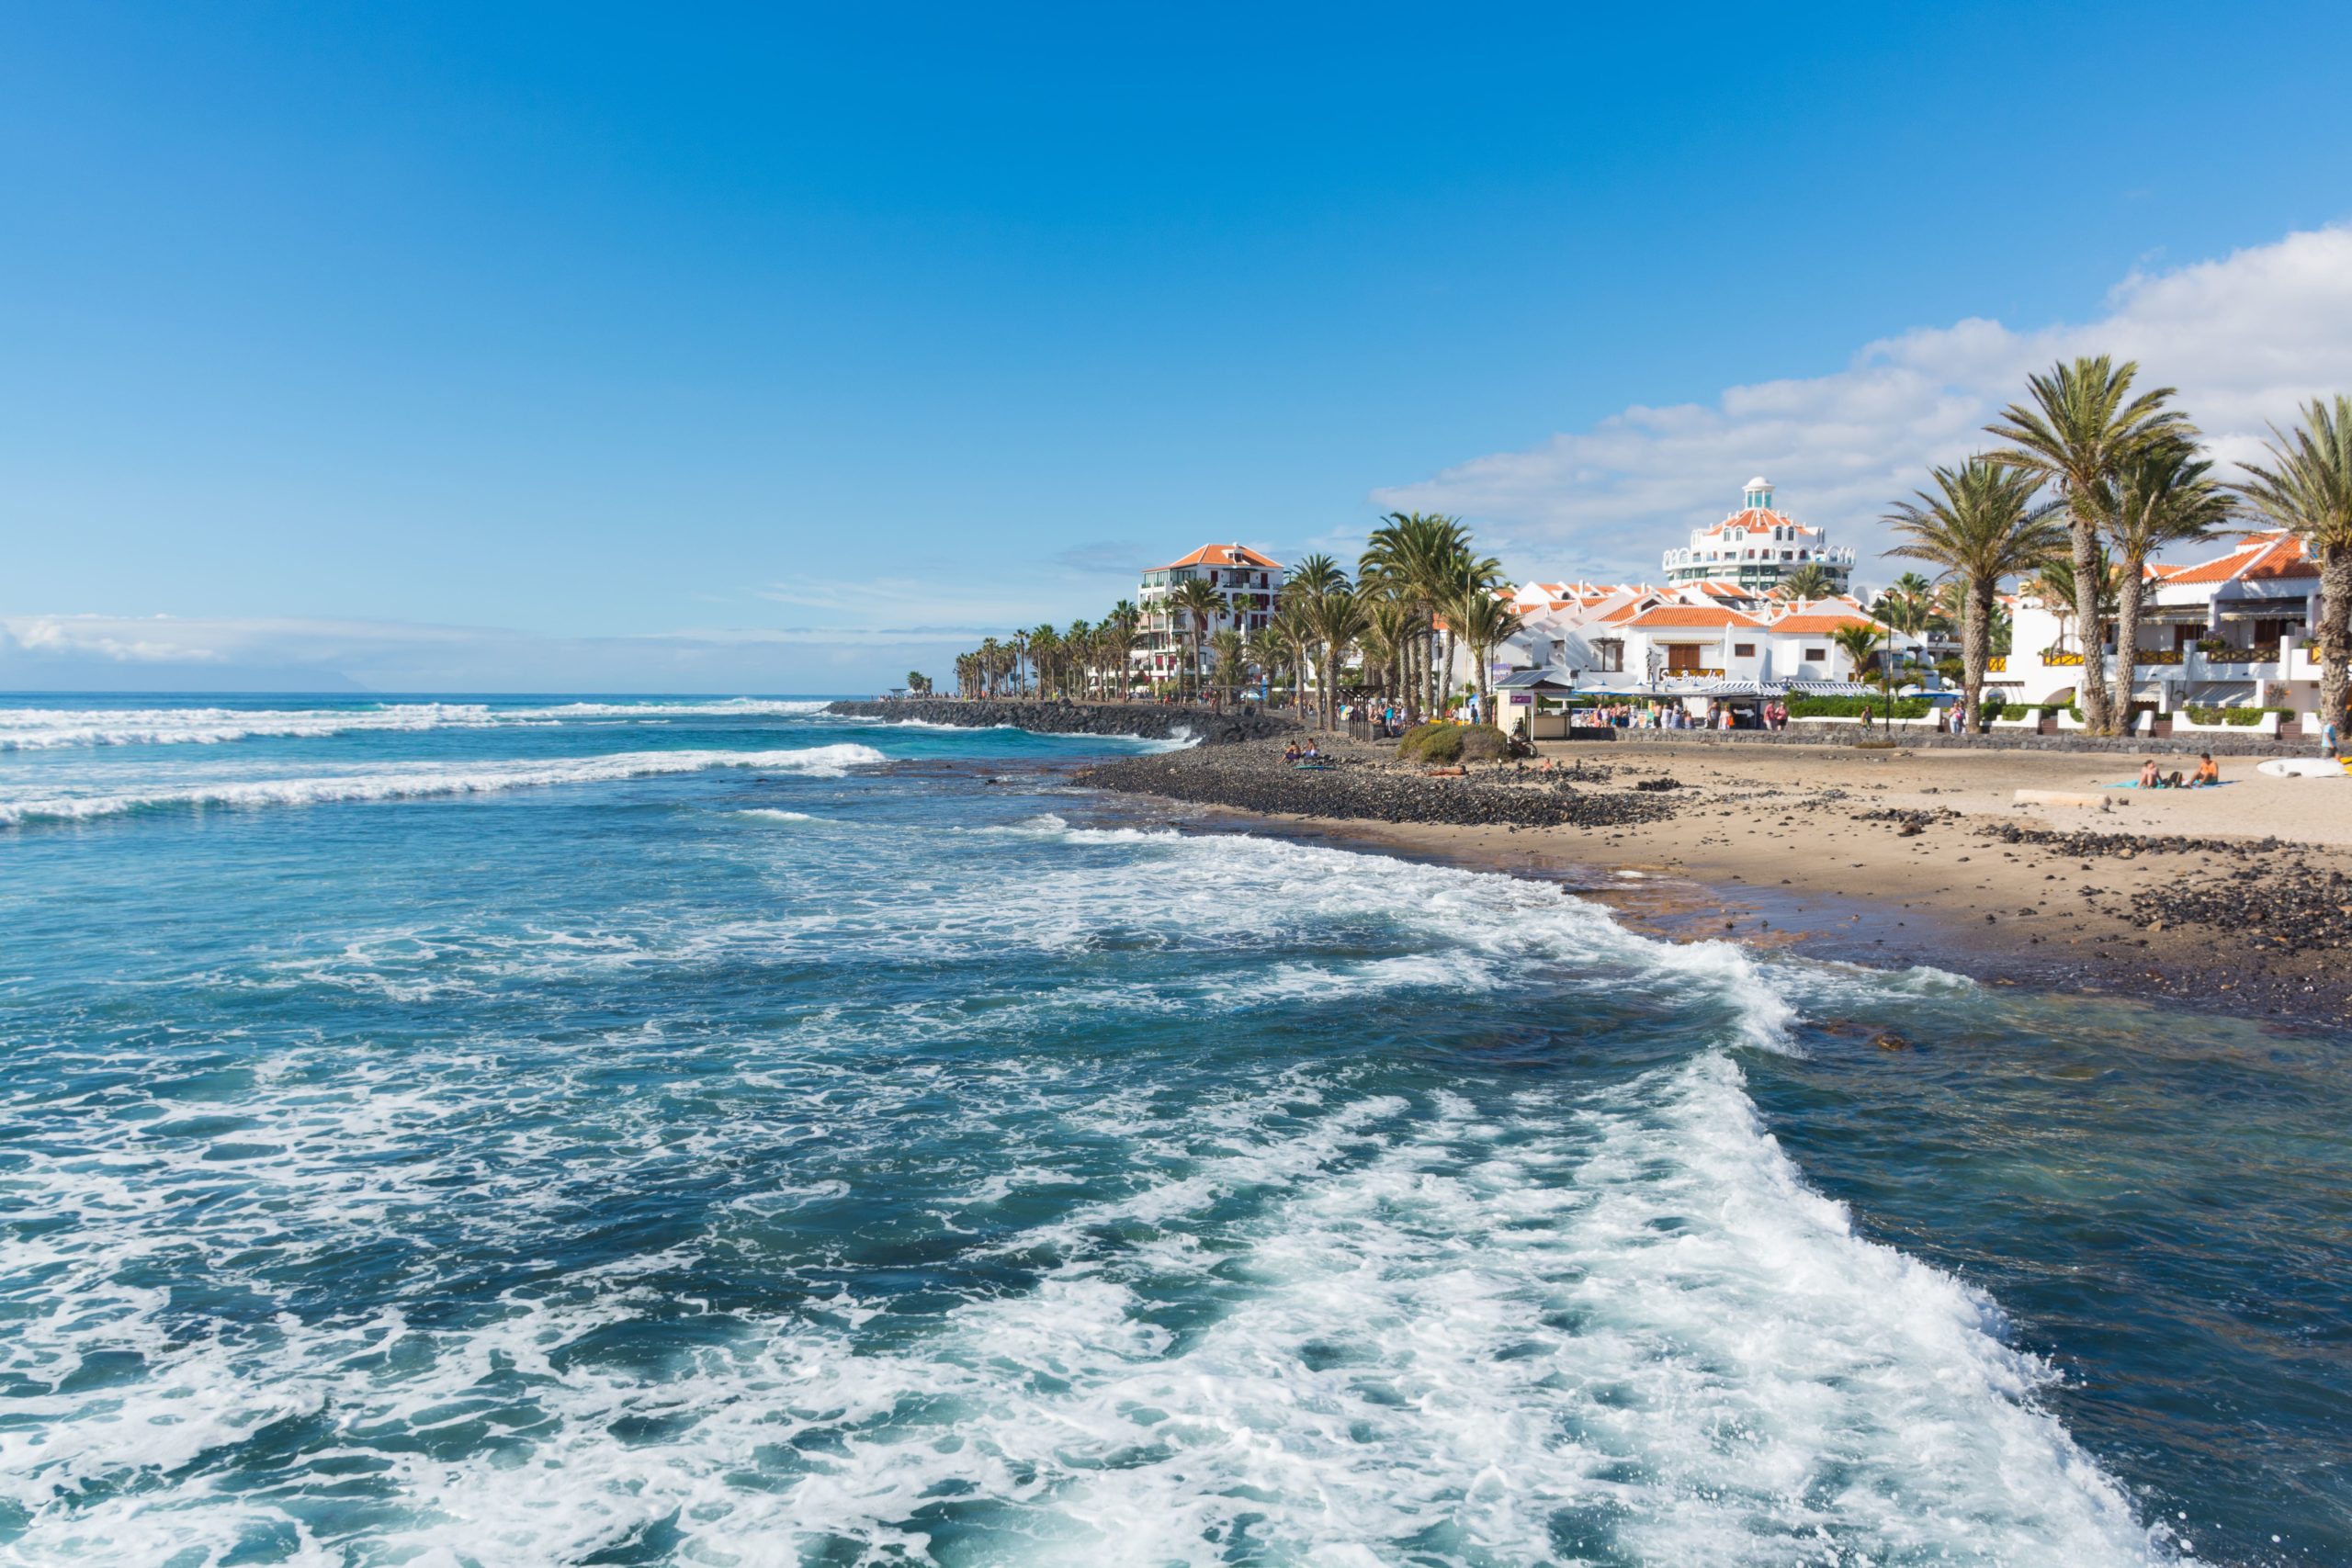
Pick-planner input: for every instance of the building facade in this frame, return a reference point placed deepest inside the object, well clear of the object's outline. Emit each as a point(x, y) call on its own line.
point(2231, 632)
point(1756, 547)
point(1246, 583)
point(1636, 636)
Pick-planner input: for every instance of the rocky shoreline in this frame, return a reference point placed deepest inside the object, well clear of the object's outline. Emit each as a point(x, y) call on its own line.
point(1362, 783)
point(1144, 721)
point(1846, 861)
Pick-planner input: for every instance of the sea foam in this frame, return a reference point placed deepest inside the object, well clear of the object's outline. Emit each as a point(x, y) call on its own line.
point(874, 1274)
point(425, 780)
point(40, 729)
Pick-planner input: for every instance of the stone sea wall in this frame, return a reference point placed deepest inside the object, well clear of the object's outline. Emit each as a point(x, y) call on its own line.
point(1148, 721)
point(1924, 739)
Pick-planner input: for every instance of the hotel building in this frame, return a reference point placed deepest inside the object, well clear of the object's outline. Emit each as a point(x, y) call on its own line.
point(1756, 547)
point(1247, 581)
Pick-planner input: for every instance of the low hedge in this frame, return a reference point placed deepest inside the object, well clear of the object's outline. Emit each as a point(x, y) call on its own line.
point(2246, 718)
point(1851, 707)
point(1451, 743)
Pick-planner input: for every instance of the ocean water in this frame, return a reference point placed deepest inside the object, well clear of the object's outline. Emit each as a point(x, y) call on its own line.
point(527, 1130)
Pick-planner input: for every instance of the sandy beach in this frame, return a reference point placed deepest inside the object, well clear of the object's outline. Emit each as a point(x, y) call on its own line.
point(2237, 900)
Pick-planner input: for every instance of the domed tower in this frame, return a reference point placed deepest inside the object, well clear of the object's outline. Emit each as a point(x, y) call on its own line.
point(1756, 547)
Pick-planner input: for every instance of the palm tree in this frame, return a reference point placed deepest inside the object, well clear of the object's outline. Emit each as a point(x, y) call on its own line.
point(1484, 623)
point(1384, 642)
point(1337, 618)
point(1809, 580)
point(1858, 641)
point(1232, 661)
point(1044, 655)
point(2163, 495)
point(2083, 427)
point(2307, 487)
point(2053, 584)
point(1315, 574)
point(1119, 641)
point(1198, 605)
point(1292, 628)
point(1981, 527)
point(1419, 559)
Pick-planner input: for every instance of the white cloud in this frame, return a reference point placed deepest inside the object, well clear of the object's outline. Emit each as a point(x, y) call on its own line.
point(114, 652)
point(2246, 339)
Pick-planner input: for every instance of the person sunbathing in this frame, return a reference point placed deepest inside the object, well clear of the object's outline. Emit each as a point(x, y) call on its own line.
point(2149, 776)
point(1290, 753)
point(2209, 772)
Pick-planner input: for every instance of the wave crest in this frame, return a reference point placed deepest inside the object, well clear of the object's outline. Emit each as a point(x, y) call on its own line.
point(820, 762)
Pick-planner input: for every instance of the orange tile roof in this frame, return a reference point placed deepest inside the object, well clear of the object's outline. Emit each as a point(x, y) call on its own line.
point(1759, 517)
point(2223, 568)
point(2290, 560)
point(1223, 555)
point(1693, 615)
point(1816, 624)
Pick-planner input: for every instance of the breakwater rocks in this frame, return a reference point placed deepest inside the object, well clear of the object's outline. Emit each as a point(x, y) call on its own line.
point(1361, 784)
point(1146, 721)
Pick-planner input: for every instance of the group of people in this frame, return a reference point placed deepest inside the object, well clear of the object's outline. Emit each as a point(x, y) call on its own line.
point(1295, 752)
point(2208, 773)
point(1675, 716)
point(1387, 720)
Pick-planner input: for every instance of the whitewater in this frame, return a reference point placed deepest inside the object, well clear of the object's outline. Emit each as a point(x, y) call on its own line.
point(792, 1141)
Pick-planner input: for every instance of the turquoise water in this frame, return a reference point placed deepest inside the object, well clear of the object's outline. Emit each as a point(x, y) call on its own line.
point(526, 1131)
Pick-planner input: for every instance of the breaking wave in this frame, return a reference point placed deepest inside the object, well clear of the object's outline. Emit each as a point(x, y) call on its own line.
point(37, 730)
point(423, 780)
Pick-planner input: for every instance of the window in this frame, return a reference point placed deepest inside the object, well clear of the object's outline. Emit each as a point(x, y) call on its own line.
point(1608, 655)
point(1743, 651)
point(1816, 655)
point(1682, 655)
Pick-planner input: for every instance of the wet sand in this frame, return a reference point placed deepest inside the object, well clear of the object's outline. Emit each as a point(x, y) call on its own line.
point(1896, 857)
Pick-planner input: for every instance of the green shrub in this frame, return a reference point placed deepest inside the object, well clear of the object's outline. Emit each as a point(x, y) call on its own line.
point(1851, 707)
point(2243, 718)
point(1990, 704)
point(1449, 743)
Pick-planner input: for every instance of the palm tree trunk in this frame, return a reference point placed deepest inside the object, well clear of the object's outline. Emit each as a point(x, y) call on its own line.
point(1976, 651)
point(2127, 646)
point(2092, 688)
point(2335, 632)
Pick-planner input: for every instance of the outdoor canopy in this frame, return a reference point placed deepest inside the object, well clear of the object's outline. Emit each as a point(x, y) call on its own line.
point(1557, 682)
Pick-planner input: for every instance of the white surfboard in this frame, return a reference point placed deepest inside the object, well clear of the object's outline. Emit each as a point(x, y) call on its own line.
point(2302, 767)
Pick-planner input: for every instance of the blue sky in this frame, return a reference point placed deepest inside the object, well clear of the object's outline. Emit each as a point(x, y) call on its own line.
point(490, 347)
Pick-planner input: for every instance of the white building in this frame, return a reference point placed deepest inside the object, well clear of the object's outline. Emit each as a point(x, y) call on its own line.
point(1246, 581)
point(1693, 635)
point(1756, 547)
point(2231, 632)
